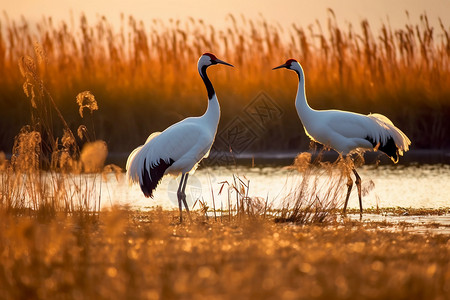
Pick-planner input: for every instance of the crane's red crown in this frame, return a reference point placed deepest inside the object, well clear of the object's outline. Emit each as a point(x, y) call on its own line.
point(212, 56)
point(290, 61)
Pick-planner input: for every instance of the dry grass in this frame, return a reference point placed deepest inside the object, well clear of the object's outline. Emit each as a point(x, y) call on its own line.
point(317, 194)
point(126, 255)
point(54, 241)
point(145, 78)
point(46, 175)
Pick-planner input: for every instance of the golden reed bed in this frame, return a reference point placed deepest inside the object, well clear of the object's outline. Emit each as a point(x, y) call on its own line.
point(125, 255)
point(56, 244)
point(143, 73)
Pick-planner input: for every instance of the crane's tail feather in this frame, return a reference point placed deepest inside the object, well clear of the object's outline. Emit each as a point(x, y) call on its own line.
point(146, 166)
point(136, 151)
point(152, 175)
point(389, 148)
point(132, 156)
point(389, 139)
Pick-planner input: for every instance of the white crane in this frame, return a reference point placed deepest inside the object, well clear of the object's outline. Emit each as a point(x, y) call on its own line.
point(346, 132)
point(179, 148)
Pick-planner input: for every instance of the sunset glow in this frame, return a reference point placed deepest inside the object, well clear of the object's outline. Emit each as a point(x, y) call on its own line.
point(285, 12)
point(224, 149)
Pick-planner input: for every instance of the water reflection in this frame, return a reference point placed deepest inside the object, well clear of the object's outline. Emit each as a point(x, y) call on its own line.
point(425, 186)
point(417, 224)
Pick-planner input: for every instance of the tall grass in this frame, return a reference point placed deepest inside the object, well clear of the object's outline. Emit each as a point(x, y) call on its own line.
point(46, 174)
point(64, 188)
point(140, 79)
point(317, 195)
point(144, 73)
point(143, 256)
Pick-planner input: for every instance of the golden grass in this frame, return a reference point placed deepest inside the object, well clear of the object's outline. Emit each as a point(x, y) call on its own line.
point(54, 241)
point(144, 73)
point(28, 186)
point(319, 192)
point(129, 255)
point(46, 174)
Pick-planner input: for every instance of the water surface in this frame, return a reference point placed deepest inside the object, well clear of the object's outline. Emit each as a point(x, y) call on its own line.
point(424, 186)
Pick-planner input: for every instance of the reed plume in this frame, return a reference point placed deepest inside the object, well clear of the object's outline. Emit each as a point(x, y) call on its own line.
point(138, 68)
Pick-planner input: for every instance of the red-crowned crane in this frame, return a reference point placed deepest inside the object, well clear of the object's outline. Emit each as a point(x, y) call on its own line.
point(179, 148)
point(346, 132)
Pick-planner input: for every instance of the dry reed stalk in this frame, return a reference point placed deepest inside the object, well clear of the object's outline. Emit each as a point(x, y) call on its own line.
point(149, 65)
point(317, 195)
point(44, 176)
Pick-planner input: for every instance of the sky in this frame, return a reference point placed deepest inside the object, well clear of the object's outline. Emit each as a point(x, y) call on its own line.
point(285, 12)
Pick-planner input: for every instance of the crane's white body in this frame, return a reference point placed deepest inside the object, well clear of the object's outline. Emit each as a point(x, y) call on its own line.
point(179, 148)
point(345, 131)
point(186, 142)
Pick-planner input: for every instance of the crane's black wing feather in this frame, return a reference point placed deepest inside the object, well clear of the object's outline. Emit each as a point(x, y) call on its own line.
point(151, 178)
point(389, 147)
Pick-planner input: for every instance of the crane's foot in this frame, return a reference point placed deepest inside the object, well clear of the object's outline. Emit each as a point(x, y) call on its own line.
point(182, 201)
point(180, 205)
point(186, 206)
point(349, 190)
point(358, 185)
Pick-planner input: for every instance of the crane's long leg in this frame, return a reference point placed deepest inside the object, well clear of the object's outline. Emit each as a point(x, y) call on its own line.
point(180, 197)
point(349, 190)
point(184, 195)
point(358, 185)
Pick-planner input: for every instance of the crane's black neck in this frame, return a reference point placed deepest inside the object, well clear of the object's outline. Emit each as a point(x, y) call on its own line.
point(208, 84)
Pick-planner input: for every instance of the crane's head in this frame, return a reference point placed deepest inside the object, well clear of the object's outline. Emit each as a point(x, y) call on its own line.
point(289, 64)
point(209, 59)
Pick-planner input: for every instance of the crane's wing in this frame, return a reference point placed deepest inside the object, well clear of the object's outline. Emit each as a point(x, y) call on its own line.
point(135, 151)
point(375, 128)
point(182, 145)
point(389, 130)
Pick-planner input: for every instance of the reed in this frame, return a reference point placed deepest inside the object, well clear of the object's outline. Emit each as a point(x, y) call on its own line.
point(64, 189)
point(136, 255)
point(55, 243)
point(145, 78)
point(240, 204)
point(315, 194)
point(48, 175)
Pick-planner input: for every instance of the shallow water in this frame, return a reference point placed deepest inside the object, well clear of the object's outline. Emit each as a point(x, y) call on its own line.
point(418, 224)
point(424, 186)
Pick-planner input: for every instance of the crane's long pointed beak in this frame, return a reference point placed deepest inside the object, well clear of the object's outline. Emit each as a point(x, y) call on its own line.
point(223, 63)
point(279, 67)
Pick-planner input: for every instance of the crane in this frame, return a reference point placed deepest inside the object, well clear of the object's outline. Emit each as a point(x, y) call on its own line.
point(347, 132)
point(179, 148)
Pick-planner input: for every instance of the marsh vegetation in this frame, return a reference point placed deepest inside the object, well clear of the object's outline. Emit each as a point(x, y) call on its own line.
point(143, 73)
point(126, 254)
point(79, 81)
